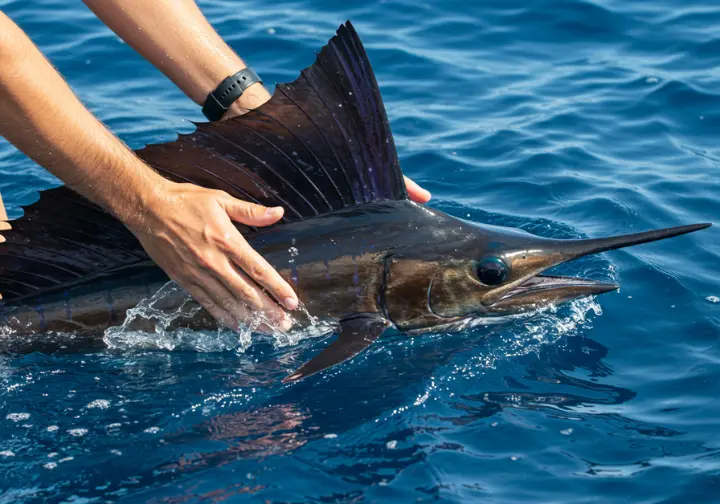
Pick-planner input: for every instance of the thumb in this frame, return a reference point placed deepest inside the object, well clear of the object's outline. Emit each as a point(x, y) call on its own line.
point(252, 214)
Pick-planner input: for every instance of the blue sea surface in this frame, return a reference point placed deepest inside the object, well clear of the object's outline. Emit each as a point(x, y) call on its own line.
point(566, 118)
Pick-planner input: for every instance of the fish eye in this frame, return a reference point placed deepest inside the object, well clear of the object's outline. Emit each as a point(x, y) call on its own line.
point(492, 271)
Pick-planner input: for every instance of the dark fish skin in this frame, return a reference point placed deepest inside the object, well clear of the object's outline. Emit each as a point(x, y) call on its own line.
point(357, 251)
point(409, 265)
point(335, 262)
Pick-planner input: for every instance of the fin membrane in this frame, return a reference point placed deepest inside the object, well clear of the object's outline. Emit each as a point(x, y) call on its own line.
point(356, 334)
point(320, 144)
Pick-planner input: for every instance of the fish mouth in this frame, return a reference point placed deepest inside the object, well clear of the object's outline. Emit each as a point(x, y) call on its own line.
point(538, 290)
point(542, 290)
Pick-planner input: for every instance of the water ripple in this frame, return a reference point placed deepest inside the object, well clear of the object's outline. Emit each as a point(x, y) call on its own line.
point(571, 118)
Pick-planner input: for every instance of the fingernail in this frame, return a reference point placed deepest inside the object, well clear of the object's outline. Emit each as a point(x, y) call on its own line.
point(274, 212)
point(290, 303)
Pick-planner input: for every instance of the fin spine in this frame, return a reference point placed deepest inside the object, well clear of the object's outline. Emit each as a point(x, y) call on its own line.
point(281, 89)
point(266, 165)
point(300, 170)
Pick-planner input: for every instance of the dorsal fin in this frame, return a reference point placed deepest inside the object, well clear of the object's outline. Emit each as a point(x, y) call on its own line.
point(320, 144)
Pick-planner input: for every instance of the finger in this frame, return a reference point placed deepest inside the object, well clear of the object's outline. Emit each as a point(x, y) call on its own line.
point(252, 214)
point(262, 273)
point(417, 193)
point(208, 302)
point(244, 289)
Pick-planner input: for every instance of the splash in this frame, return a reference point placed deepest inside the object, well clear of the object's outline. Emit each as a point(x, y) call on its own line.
point(151, 325)
point(523, 334)
point(529, 333)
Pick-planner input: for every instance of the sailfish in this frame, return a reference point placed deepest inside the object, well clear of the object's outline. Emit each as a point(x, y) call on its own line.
point(357, 251)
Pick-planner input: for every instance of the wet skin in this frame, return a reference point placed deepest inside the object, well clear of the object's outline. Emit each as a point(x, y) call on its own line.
point(412, 266)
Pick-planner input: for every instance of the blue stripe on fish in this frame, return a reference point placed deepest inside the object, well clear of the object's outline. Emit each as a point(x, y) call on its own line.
point(111, 305)
point(41, 314)
point(68, 308)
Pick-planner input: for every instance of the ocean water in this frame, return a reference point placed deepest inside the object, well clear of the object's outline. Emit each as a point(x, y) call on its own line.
point(565, 118)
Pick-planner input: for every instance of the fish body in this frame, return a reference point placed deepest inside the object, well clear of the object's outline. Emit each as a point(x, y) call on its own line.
point(338, 264)
point(359, 254)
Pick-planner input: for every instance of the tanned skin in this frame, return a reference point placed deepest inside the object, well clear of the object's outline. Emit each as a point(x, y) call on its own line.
point(187, 230)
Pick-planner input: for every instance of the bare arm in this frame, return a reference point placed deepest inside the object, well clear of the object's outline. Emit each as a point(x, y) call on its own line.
point(186, 229)
point(175, 37)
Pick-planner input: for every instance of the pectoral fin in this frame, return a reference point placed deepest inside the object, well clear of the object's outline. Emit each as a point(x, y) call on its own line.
point(356, 334)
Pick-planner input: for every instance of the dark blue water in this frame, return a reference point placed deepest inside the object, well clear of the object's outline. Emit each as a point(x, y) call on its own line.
point(567, 118)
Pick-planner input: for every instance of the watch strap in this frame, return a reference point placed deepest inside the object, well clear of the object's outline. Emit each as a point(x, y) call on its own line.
point(229, 90)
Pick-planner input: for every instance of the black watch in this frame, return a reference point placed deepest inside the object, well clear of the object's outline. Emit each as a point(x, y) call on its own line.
point(229, 90)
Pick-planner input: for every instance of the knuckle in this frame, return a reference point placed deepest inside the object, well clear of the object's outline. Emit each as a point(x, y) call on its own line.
point(205, 301)
point(258, 272)
point(229, 305)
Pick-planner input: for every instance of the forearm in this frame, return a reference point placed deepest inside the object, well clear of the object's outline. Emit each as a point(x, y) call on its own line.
point(42, 117)
point(175, 37)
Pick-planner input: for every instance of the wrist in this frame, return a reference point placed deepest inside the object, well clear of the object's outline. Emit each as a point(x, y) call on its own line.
point(252, 98)
point(134, 201)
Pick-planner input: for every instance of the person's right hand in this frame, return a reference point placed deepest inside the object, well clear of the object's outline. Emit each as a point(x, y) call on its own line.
point(188, 231)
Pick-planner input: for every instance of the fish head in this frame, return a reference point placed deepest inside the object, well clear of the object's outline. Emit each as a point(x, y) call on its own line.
point(497, 272)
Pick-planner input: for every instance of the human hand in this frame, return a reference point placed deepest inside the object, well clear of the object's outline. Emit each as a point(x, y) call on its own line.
point(417, 193)
point(188, 231)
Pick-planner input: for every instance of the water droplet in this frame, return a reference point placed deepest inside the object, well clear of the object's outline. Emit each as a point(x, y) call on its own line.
point(293, 251)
